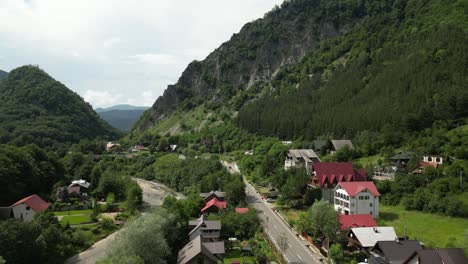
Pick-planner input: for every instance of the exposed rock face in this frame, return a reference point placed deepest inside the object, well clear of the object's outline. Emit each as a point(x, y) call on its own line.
point(255, 54)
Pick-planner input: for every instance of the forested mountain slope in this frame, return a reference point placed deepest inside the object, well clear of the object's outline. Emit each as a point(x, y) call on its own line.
point(333, 67)
point(255, 54)
point(35, 108)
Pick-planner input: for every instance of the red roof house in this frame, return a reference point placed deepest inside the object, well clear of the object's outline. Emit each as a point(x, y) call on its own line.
point(353, 188)
point(356, 220)
point(240, 210)
point(331, 173)
point(213, 205)
point(26, 208)
point(422, 165)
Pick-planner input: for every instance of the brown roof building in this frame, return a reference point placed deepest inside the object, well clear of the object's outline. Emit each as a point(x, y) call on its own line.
point(199, 251)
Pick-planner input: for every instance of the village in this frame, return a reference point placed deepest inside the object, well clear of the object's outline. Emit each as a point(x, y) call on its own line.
point(351, 192)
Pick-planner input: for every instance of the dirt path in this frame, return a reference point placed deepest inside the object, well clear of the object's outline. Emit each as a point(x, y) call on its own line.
point(153, 195)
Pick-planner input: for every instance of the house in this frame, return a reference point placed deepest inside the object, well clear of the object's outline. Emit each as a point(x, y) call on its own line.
point(248, 152)
point(213, 206)
point(423, 165)
point(172, 148)
point(241, 210)
point(339, 144)
point(199, 251)
point(320, 146)
point(433, 158)
point(25, 208)
point(78, 187)
point(367, 237)
point(356, 220)
point(357, 198)
point(206, 229)
point(286, 142)
point(401, 159)
point(138, 148)
point(300, 158)
point(440, 256)
point(111, 146)
point(213, 194)
point(326, 175)
point(394, 252)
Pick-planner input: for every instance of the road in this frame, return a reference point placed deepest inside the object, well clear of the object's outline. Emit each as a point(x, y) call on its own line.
point(296, 249)
point(153, 195)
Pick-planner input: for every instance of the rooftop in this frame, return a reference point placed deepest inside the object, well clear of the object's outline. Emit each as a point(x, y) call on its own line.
point(357, 220)
point(35, 202)
point(369, 236)
point(354, 188)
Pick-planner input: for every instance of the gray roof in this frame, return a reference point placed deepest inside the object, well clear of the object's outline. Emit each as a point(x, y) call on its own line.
point(302, 154)
point(82, 183)
point(442, 256)
point(397, 252)
point(402, 155)
point(217, 193)
point(196, 247)
point(205, 224)
point(369, 236)
point(337, 144)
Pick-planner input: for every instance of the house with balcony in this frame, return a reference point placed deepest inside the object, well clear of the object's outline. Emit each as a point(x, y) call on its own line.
point(326, 175)
point(300, 158)
point(208, 230)
point(357, 198)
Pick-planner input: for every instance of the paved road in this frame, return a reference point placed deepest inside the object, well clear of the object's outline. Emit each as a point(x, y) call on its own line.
point(297, 250)
point(153, 195)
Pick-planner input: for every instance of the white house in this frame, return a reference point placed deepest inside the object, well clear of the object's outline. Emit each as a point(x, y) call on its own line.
point(357, 198)
point(433, 158)
point(367, 237)
point(300, 158)
point(25, 208)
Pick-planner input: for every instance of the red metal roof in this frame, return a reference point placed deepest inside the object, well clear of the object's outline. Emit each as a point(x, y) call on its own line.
point(241, 210)
point(334, 172)
point(357, 220)
point(214, 202)
point(353, 188)
point(35, 202)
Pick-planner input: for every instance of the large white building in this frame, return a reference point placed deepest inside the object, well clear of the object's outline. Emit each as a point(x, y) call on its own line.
point(357, 198)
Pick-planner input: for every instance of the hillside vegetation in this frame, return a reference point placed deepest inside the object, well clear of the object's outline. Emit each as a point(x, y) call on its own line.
point(36, 109)
point(335, 68)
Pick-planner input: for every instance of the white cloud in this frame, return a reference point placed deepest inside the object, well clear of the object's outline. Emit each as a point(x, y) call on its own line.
point(155, 59)
point(119, 46)
point(101, 98)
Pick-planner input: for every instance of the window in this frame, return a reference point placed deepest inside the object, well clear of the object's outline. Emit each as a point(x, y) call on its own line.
point(28, 208)
point(429, 159)
point(370, 204)
point(352, 204)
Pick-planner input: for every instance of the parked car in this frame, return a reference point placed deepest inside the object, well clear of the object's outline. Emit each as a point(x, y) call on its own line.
point(270, 200)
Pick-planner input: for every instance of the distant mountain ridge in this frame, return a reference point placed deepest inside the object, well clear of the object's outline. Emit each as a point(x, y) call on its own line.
point(36, 109)
point(122, 119)
point(3, 74)
point(121, 107)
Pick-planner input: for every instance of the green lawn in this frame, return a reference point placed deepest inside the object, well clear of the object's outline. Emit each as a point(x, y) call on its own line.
point(433, 230)
point(74, 212)
point(235, 254)
point(369, 161)
point(76, 219)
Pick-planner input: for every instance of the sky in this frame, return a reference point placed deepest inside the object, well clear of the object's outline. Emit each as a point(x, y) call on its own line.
point(118, 51)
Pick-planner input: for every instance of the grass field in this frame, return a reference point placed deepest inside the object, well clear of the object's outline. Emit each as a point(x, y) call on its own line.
point(76, 219)
point(369, 161)
point(433, 230)
point(235, 254)
point(74, 212)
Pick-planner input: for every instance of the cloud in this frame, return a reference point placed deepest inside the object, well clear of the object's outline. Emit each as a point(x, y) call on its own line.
point(106, 48)
point(155, 59)
point(101, 98)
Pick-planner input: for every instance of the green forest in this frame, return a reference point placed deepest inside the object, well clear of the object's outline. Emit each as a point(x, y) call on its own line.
point(36, 109)
point(403, 67)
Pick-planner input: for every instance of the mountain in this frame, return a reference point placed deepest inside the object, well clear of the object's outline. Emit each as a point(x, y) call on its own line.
point(122, 119)
point(35, 108)
point(328, 67)
point(121, 107)
point(3, 74)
